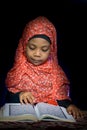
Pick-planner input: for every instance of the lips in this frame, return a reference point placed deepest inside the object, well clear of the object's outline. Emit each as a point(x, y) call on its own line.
point(35, 61)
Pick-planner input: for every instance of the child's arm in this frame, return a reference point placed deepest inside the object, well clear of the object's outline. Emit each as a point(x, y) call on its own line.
point(75, 111)
point(12, 97)
point(64, 96)
point(19, 97)
point(71, 108)
point(65, 103)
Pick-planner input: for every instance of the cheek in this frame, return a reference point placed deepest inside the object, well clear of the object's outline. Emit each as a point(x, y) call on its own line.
point(28, 53)
point(46, 55)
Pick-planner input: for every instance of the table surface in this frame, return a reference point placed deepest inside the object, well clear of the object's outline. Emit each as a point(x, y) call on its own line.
point(47, 125)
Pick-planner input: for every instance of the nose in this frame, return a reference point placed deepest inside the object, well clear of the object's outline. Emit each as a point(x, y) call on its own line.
point(37, 53)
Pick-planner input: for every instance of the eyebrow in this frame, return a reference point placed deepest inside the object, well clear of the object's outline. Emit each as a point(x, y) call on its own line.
point(35, 45)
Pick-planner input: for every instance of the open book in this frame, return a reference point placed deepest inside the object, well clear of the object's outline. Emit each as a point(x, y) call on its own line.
point(41, 111)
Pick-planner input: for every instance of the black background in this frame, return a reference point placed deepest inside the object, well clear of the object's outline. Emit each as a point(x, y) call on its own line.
point(70, 20)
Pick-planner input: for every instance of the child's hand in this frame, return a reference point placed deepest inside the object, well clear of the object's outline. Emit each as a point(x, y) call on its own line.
point(75, 112)
point(26, 97)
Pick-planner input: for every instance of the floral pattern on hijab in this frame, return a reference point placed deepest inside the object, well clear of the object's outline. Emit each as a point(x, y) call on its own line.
point(47, 82)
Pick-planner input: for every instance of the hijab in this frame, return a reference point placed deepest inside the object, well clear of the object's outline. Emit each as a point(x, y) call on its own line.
point(47, 82)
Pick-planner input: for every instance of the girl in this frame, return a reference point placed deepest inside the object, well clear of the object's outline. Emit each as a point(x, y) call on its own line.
point(36, 75)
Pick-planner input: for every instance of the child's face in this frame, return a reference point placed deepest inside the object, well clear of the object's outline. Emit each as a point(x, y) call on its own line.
point(38, 50)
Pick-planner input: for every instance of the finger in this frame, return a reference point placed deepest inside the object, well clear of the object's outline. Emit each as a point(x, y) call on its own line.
point(74, 114)
point(30, 100)
point(81, 114)
point(69, 111)
point(21, 100)
point(78, 115)
point(25, 100)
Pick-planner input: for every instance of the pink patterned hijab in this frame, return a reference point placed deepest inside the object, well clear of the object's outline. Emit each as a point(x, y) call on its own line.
point(47, 82)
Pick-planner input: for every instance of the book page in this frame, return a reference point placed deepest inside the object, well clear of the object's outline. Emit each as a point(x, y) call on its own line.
point(45, 108)
point(68, 116)
point(51, 111)
point(18, 112)
point(14, 109)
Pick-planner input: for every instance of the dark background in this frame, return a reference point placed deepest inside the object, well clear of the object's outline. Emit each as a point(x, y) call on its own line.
point(70, 20)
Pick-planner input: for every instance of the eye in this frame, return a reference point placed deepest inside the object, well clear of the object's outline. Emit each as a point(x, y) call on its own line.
point(32, 47)
point(45, 49)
